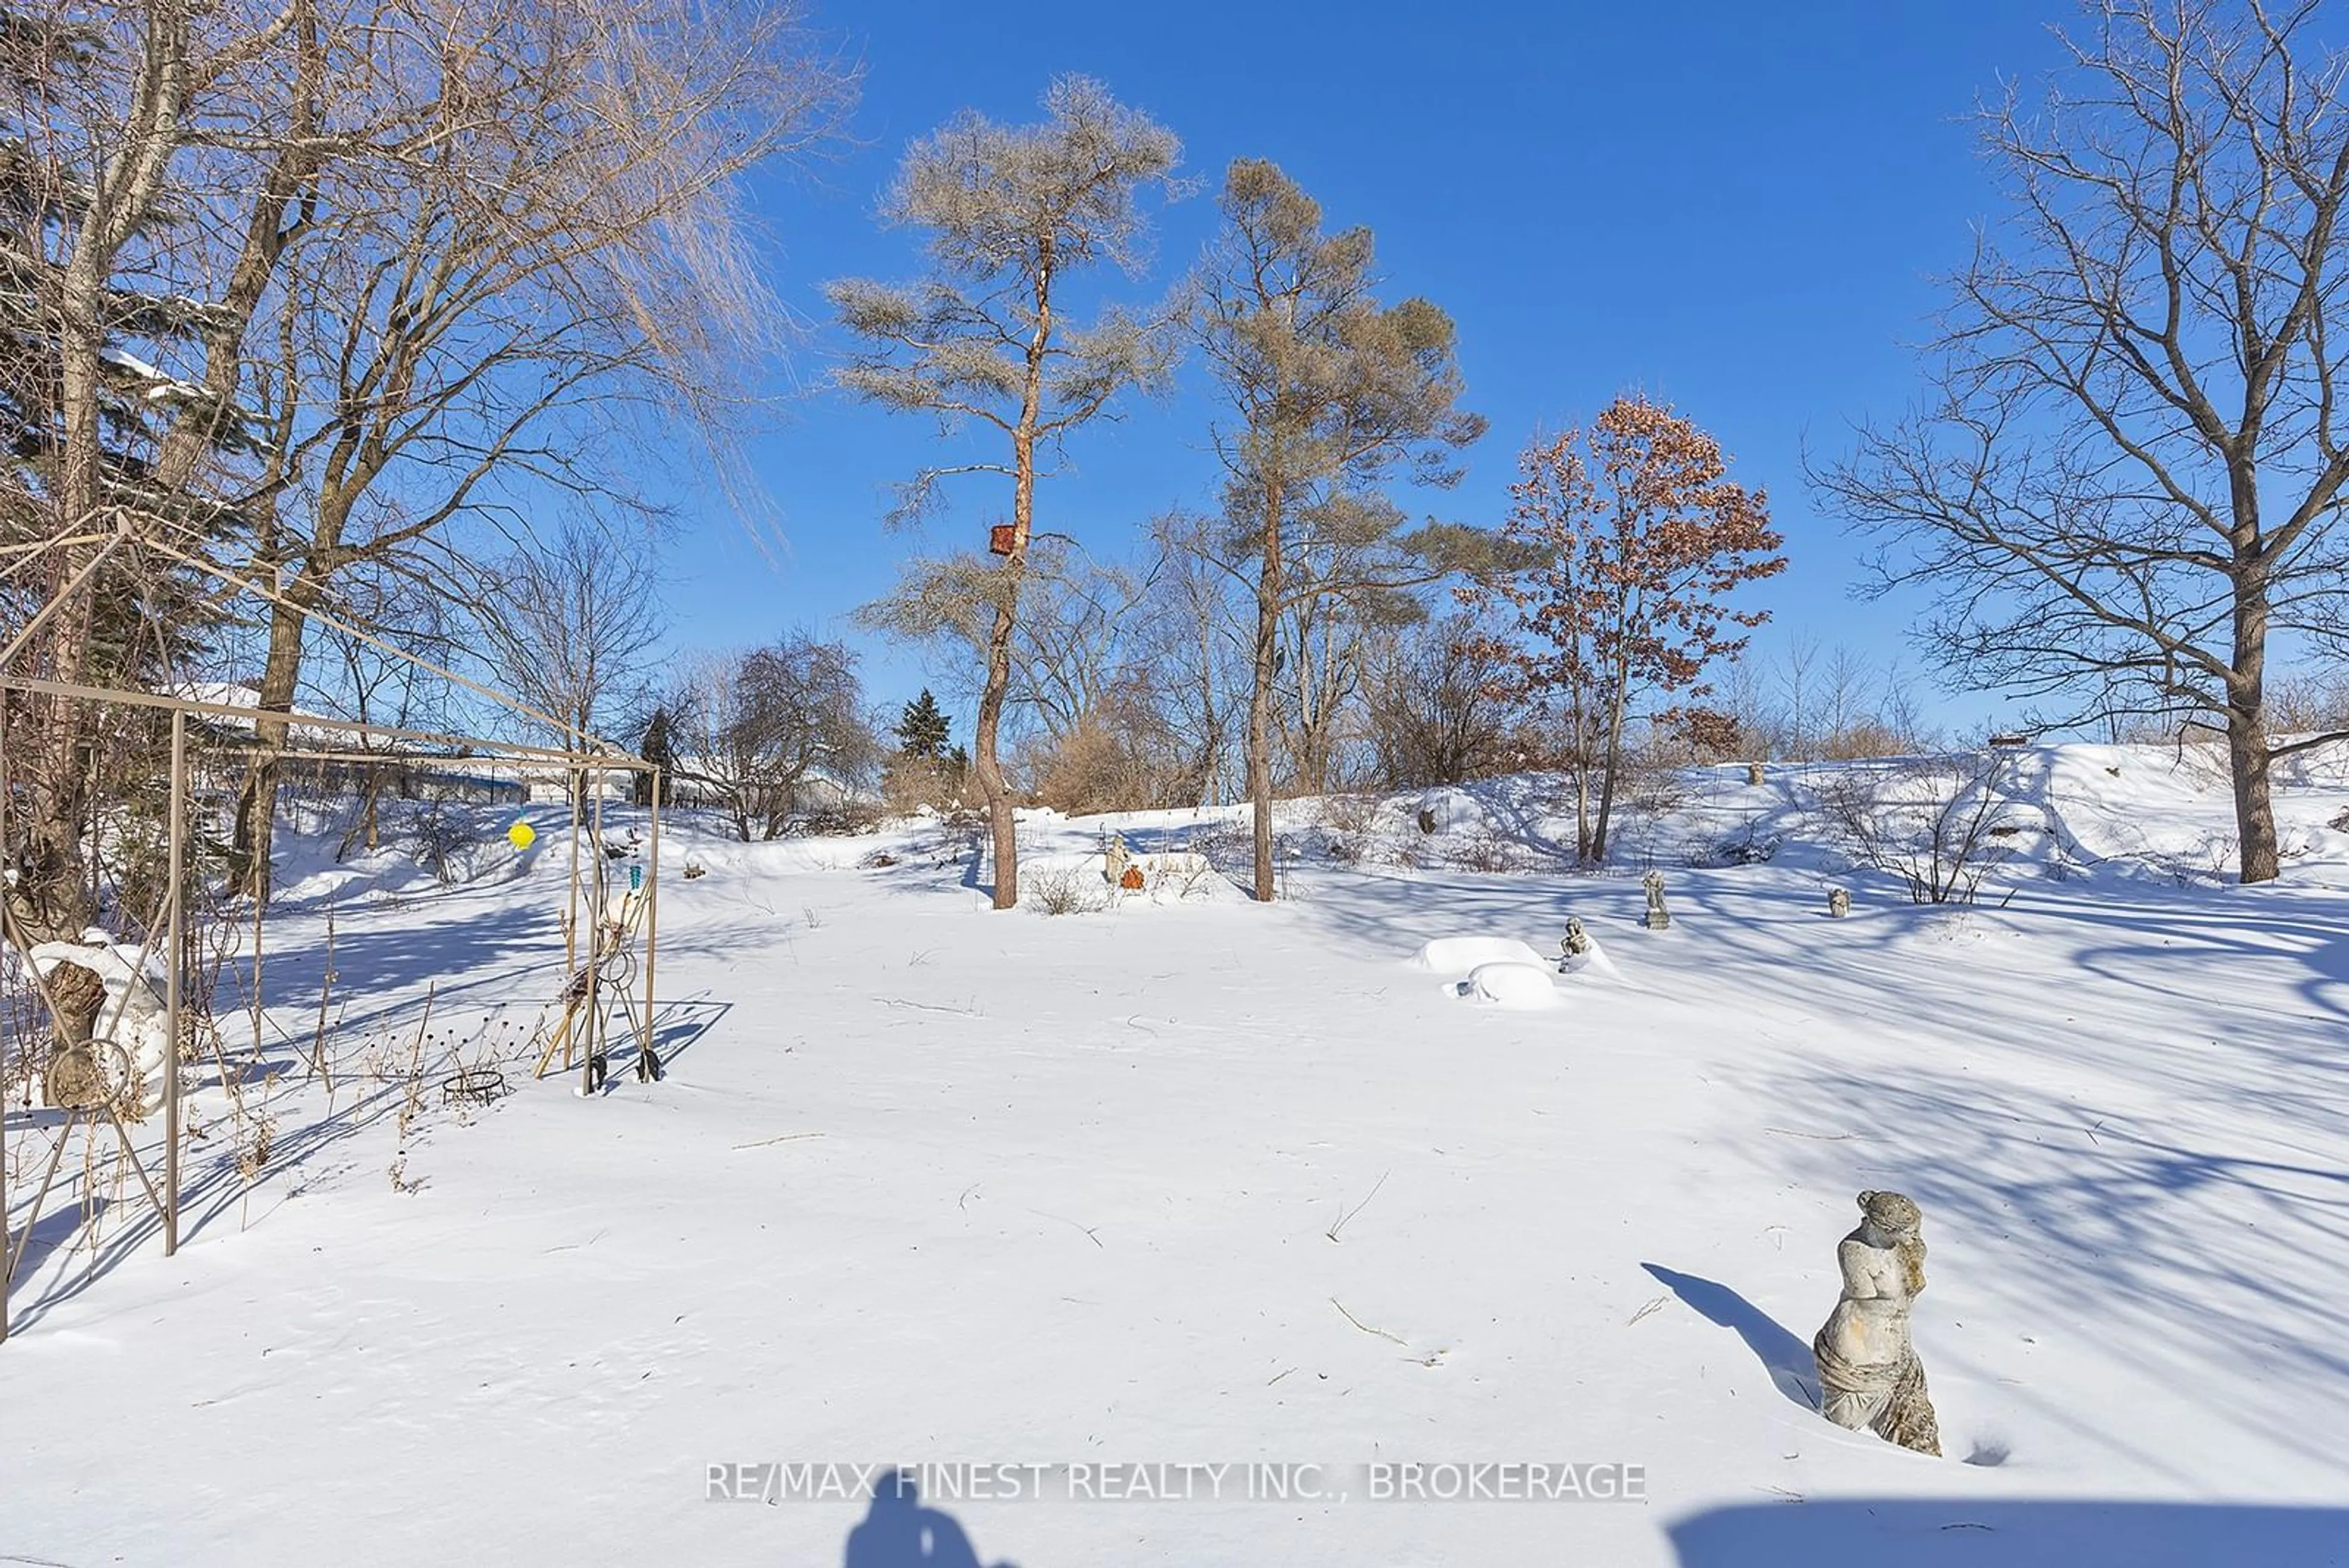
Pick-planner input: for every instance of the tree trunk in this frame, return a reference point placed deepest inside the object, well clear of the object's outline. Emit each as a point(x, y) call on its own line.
point(1614, 766)
point(2247, 758)
point(984, 760)
point(53, 899)
point(1578, 737)
point(256, 805)
point(1266, 669)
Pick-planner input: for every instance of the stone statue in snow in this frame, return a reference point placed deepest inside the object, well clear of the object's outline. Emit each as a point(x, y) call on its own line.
point(1754, 774)
point(1869, 1375)
point(1838, 902)
point(1657, 917)
point(1114, 860)
point(1577, 941)
point(127, 1049)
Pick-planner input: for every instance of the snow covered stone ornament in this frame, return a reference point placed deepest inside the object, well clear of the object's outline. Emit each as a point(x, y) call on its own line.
point(1576, 940)
point(1658, 918)
point(1838, 902)
point(78, 993)
point(1869, 1375)
point(127, 1049)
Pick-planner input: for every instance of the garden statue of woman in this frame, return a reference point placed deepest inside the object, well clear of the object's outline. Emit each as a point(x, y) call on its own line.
point(1868, 1370)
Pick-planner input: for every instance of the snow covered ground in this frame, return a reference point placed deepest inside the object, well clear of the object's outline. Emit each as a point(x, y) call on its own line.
point(1191, 1181)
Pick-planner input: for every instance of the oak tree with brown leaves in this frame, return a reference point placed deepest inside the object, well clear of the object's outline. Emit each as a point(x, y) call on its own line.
point(1639, 537)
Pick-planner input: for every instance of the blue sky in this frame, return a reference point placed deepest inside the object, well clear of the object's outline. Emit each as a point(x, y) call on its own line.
point(1739, 209)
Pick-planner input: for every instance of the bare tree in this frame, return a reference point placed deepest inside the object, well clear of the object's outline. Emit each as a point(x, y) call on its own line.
point(1349, 583)
point(1189, 634)
point(1331, 394)
point(1796, 664)
point(2129, 478)
point(554, 250)
point(1011, 213)
point(1939, 824)
point(364, 680)
point(1440, 708)
point(1121, 755)
point(568, 625)
point(751, 729)
point(103, 111)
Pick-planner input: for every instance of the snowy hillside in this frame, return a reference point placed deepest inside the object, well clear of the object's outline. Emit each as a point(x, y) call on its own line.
point(1180, 1179)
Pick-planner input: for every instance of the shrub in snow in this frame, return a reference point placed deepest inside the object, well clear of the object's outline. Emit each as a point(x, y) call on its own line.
point(1935, 823)
point(445, 838)
point(1064, 888)
point(1749, 846)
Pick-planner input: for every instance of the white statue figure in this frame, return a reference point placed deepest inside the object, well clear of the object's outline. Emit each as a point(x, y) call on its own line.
point(1868, 1370)
point(1838, 902)
point(1658, 918)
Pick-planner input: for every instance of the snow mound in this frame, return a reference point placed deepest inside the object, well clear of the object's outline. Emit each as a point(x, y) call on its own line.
point(1511, 984)
point(1456, 955)
point(1594, 960)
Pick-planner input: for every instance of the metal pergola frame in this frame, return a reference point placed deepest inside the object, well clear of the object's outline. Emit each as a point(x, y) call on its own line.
point(586, 759)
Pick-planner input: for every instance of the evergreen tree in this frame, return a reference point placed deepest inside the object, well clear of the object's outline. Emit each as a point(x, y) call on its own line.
point(1012, 214)
point(94, 439)
point(922, 727)
point(1331, 394)
point(657, 749)
point(146, 614)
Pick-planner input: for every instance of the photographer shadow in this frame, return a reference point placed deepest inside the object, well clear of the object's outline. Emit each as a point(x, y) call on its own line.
point(899, 1532)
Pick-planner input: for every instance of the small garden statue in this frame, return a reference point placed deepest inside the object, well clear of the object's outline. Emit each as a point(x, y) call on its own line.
point(1578, 941)
point(1657, 917)
point(1754, 774)
point(1113, 861)
point(1838, 902)
point(1869, 1375)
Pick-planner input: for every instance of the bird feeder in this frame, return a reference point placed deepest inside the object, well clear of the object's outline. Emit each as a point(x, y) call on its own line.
point(1002, 537)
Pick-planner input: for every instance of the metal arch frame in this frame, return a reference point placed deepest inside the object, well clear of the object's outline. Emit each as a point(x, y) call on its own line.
point(586, 756)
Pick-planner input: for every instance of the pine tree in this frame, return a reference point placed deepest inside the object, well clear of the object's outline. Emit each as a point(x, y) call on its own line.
point(146, 614)
point(1331, 395)
point(657, 749)
point(922, 727)
point(1011, 214)
point(93, 438)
